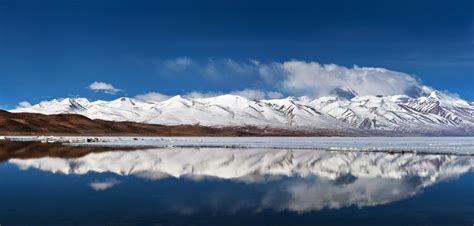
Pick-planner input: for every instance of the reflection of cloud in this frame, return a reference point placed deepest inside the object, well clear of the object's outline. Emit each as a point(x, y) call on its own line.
point(295, 180)
point(103, 185)
point(320, 193)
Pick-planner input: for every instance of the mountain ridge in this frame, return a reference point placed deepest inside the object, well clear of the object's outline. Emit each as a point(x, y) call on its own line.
point(433, 113)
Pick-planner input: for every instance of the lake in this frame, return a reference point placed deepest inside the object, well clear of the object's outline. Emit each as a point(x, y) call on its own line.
point(234, 186)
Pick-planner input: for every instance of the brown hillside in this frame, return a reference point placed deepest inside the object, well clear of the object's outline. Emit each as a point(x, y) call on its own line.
point(72, 124)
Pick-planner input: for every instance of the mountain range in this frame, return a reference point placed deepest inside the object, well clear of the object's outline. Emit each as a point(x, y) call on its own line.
point(430, 112)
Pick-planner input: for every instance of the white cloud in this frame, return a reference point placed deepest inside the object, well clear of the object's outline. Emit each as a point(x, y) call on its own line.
point(311, 78)
point(271, 72)
point(292, 77)
point(152, 96)
point(274, 95)
point(178, 64)
point(240, 68)
point(197, 94)
point(254, 94)
point(103, 185)
point(251, 94)
point(104, 87)
point(24, 104)
point(314, 79)
point(228, 67)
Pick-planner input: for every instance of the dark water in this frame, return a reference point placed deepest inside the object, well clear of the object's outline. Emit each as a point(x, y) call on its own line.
point(238, 187)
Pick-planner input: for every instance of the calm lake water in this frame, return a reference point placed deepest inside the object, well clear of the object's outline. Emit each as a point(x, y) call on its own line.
point(219, 186)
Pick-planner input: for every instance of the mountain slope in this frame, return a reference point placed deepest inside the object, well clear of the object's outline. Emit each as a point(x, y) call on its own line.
point(73, 124)
point(432, 112)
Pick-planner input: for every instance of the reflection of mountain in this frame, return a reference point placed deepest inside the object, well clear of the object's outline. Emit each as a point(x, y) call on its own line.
point(303, 179)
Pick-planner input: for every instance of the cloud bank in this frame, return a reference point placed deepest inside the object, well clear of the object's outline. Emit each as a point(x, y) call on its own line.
point(273, 80)
point(315, 79)
point(178, 64)
point(104, 87)
point(251, 94)
point(152, 96)
point(295, 77)
point(254, 94)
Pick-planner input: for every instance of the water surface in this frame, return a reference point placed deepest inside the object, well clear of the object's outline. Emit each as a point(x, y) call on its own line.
point(222, 186)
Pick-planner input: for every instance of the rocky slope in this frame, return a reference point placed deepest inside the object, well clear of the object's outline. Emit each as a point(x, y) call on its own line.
point(74, 124)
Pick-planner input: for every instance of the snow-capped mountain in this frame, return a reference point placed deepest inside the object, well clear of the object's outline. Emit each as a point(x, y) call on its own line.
point(431, 112)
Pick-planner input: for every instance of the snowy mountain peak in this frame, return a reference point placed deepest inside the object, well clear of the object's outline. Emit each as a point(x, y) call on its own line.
point(434, 95)
point(227, 99)
point(125, 100)
point(177, 98)
point(176, 101)
point(74, 104)
point(434, 113)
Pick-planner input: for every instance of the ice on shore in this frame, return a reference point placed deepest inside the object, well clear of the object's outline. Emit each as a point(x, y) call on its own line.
point(442, 145)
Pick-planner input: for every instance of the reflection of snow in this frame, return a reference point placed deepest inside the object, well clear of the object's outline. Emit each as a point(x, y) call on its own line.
point(103, 185)
point(303, 179)
point(251, 163)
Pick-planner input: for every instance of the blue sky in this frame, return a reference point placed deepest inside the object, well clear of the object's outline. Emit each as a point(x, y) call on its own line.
point(51, 49)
